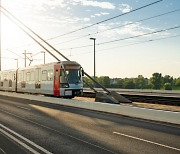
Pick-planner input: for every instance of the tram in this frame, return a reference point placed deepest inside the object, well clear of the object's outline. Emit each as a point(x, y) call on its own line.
point(60, 79)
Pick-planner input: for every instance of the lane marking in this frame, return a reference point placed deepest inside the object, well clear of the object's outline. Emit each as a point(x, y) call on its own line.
point(19, 142)
point(75, 138)
point(140, 139)
point(2, 151)
point(23, 138)
point(24, 108)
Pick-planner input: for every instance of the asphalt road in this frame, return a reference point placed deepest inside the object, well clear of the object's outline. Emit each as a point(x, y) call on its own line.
point(61, 129)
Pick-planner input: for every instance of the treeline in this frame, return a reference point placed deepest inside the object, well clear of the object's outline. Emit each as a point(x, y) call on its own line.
point(157, 81)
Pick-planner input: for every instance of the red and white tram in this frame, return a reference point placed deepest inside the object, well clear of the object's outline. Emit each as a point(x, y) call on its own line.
point(63, 79)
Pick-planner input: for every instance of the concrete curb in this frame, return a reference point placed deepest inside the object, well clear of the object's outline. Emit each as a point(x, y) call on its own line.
point(137, 112)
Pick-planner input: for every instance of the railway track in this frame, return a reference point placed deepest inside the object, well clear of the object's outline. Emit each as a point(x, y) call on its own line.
point(155, 97)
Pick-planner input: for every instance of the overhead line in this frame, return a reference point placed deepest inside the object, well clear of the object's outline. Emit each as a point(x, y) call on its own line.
point(15, 53)
point(13, 20)
point(139, 35)
point(124, 38)
point(106, 20)
point(137, 21)
point(82, 27)
point(151, 40)
point(131, 44)
point(119, 26)
point(17, 20)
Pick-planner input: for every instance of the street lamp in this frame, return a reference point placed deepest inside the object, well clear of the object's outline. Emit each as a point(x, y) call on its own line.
point(94, 39)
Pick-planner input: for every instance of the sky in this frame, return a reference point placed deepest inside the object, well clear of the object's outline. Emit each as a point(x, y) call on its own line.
point(120, 50)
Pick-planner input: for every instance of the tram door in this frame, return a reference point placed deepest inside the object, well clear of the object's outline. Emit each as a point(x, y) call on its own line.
point(37, 78)
point(56, 80)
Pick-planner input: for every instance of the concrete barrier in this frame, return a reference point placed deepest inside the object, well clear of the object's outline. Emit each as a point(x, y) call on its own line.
point(127, 110)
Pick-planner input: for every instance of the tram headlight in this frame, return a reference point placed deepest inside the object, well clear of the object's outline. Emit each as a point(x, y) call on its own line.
point(64, 85)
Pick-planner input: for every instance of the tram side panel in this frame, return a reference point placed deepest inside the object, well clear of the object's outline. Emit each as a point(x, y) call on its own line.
point(8, 80)
point(37, 80)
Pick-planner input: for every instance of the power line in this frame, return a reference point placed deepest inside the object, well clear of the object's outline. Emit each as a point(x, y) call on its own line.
point(151, 40)
point(131, 44)
point(139, 35)
point(15, 53)
point(23, 26)
point(137, 21)
point(87, 35)
point(84, 46)
point(106, 20)
point(89, 25)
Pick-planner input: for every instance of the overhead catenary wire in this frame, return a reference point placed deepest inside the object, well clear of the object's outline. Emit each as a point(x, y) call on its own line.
point(113, 28)
point(145, 19)
point(139, 35)
point(22, 28)
point(130, 44)
point(18, 21)
point(15, 53)
point(117, 16)
point(136, 36)
point(45, 41)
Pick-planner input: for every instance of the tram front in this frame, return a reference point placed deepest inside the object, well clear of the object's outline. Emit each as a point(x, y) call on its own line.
point(71, 81)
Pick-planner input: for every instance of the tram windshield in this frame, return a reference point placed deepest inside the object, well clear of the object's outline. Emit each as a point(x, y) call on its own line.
point(73, 76)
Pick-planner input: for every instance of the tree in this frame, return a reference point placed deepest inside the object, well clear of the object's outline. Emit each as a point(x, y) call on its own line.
point(168, 79)
point(167, 86)
point(140, 82)
point(129, 83)
point(104, 80)
point(177, 82)
point(120, 83)
point(156, 80)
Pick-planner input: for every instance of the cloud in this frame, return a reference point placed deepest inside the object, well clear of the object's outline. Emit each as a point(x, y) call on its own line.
point(99, 14)
point(132, 30)
point(103, 5)
point(86, 19)
point(124, 8)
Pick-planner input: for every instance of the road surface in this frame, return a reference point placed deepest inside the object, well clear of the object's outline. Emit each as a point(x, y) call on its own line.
point(50, 128)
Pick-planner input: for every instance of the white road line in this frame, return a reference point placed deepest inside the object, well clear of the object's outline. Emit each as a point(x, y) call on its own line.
point(1, 150)
point(78, 139)
point(19, 142)
point(23, 108)
point(23, 138)
point(140, 139)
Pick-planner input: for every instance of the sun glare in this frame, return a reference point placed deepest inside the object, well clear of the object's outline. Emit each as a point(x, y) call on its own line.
point(11, 34)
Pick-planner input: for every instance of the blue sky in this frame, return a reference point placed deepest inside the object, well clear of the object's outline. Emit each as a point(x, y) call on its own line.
point(126, 58)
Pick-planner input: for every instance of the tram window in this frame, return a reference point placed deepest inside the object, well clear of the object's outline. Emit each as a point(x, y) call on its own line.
point(50, 75)
point(32, 76)
point(23, 76)
point(62, 77)
point(28, 76)
point(5, 76)
point(44, 75)
point(19, 76)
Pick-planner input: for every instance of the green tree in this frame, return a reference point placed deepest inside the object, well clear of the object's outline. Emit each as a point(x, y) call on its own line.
point(177, 82)
point(167, 86)
point(120, 83)
point(140, 82)
point(156, 80)
point(129, 83)
point(104, 80)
